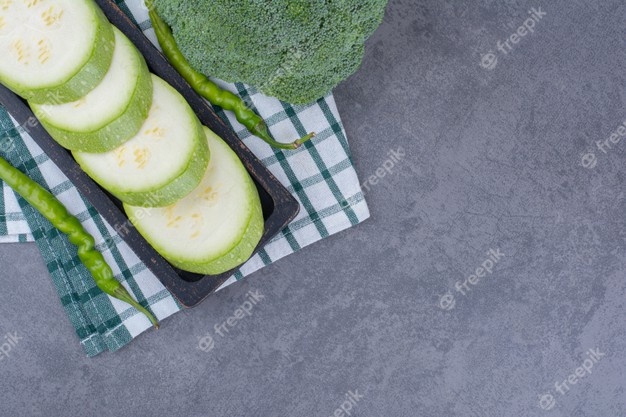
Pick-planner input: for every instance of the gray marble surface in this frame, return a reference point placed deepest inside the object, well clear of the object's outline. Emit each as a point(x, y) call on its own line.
point(506, 150)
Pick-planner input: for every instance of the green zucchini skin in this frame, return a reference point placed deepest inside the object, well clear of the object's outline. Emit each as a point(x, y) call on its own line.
point(145, 190)
point(236, 256)
point(112, 133)
point(217, 256)
point(87, 77)
point(179, 187)
point(171, 192)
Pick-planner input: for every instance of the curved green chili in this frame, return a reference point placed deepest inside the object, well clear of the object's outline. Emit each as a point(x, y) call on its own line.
point(53, 210)
point(211, 91)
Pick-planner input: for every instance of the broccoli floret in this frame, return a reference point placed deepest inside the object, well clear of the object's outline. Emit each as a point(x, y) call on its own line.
point(294, 50)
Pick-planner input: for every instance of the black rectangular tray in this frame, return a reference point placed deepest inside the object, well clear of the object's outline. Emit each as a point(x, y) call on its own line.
point(279, 206)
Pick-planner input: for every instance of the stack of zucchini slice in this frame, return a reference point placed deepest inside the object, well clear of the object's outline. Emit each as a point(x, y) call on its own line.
point(182, 187)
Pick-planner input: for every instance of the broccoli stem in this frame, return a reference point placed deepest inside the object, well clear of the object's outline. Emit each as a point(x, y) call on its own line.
point(211, 91)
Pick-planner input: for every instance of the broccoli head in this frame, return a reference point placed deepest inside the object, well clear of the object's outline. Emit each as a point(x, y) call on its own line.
point(295, 50)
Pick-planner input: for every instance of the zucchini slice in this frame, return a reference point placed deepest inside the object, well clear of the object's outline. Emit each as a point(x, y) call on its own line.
point(111, 113)
point(164, 162)
point(213, 229)
point(53, 51)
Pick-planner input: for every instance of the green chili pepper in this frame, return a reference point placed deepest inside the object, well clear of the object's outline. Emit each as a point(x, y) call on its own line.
point(211, 91)
point(53, 210)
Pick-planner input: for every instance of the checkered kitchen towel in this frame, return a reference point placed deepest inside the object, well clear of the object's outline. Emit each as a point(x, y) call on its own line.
point(320, 175)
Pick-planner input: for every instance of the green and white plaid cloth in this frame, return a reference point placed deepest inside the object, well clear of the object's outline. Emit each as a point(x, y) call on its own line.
point(320, 175)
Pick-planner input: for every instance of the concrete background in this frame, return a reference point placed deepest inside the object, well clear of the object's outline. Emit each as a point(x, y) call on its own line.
point(495, 159)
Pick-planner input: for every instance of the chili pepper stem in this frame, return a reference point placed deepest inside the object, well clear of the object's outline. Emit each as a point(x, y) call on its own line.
point(262, 131)
point(121, 294)
point(304, 139)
